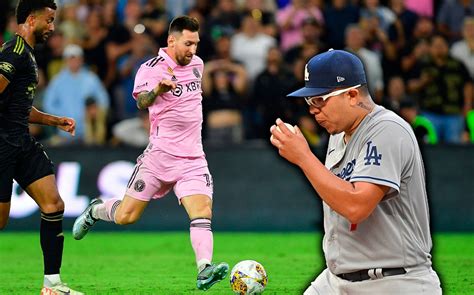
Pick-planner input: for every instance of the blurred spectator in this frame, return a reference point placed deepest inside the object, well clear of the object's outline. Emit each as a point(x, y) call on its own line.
point(222, 48)
point(423, 128)
point(225, 19)
point(250, 46)
point(396, 93)
point(71, 28)
point(377, 41)
point(311, 31)
point(143, 49)
point(94, 43)
point(118, 40)
point(94, 122)
point(444, 90)
point(132, 132)
point(463, 50)
point(265, 12)
point(373, 10)
point(177, 7)
point(269, 92)
point(290, 20)
point(67, 93)
point(224, 85)
point(337, 17)
point(451, 17)
point(204, 7)
point(355, 43)
point(402, 27)
point(155, 20)
point(417, 48)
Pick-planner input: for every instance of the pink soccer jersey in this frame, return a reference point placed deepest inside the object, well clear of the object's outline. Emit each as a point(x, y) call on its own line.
point(176, 116)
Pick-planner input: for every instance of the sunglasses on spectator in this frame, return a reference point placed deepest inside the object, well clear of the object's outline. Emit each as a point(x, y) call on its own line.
point(320, 101)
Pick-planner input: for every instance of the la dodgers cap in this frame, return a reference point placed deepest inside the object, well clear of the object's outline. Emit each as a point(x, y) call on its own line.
point(330, 70)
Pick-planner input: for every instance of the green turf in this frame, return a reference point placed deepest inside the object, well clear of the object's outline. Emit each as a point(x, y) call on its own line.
point(163, 263)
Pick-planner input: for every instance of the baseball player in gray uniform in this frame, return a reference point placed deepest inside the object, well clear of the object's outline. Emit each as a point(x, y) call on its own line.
point(376, 219)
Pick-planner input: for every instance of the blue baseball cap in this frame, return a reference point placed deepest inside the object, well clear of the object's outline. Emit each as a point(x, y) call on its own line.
point(331, 70)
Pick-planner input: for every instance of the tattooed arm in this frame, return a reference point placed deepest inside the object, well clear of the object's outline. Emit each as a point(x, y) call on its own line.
point(147, 98)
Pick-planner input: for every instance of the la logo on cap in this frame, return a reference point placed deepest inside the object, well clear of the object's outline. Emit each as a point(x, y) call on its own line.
point(306, 73)
point(340, 79)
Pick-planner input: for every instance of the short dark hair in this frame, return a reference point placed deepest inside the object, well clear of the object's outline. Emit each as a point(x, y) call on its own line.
point(26, 7)
point(184, 22)
point(364, 90)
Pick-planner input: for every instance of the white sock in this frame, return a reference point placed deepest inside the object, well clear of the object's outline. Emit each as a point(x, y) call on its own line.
point(100, 212)
point(201, 264)
point(51, 280)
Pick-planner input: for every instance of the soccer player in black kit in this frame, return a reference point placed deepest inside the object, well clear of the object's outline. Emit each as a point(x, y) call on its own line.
point(21, 157)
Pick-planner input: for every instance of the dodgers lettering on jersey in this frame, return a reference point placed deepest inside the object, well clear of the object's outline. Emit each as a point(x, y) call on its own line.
point(383, 151)
point(176, 116)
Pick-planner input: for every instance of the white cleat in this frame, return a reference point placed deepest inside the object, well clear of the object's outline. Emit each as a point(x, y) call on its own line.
point(59, 289)
point(85, 221)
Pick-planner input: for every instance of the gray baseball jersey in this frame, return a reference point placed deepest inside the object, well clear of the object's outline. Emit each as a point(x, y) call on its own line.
point(383, 150)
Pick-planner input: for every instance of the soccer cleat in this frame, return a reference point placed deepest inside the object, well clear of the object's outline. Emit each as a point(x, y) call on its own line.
point(212, 274)
point(85, 221)
point(59, 289)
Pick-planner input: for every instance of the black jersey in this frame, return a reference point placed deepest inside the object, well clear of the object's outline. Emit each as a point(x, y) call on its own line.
point(18, 65)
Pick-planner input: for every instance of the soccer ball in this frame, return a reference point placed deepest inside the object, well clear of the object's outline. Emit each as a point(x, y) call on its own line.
point(248, 277)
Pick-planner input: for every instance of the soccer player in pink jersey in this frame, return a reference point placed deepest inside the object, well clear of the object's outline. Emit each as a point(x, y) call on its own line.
point(169, 85)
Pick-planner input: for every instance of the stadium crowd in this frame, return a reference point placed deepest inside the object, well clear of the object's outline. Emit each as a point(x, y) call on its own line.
point(419, 58)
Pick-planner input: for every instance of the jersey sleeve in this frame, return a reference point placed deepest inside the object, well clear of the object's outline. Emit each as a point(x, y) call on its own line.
point(10, 62)
point(384, 155)
point(146, 79)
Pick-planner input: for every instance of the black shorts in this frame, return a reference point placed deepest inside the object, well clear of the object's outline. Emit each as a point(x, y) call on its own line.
point(25, 164)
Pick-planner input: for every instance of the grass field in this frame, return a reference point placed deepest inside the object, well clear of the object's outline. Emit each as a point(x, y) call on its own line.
point(163, 263)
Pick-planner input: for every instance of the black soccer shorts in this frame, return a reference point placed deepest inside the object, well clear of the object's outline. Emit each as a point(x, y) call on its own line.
point(25, 164)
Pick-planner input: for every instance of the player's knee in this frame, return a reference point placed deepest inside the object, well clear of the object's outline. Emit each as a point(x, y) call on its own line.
point(55, 205)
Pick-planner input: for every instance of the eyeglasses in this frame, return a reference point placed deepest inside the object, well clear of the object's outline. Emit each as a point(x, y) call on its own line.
point(320, 101)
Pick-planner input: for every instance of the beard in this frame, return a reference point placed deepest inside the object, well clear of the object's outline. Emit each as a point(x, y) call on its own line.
point(41, 37)
point(183, 60)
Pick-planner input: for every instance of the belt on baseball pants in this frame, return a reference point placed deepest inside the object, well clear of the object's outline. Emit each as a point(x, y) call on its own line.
point(374, 273)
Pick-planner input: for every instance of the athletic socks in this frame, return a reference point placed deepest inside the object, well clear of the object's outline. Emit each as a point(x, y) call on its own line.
point(51, 280)
point(202, 241)
point(106, 210)
point(52, 241)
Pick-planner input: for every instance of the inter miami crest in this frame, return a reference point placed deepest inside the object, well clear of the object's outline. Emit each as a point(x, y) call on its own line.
point(196, 73)
point(139, 185)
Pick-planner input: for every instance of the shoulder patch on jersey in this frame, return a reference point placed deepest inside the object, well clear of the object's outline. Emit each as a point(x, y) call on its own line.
point(19, 45)
point(7, 67)
point(371, 154)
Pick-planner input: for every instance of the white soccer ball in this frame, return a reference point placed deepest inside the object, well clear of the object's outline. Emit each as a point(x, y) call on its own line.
point(248, 277)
